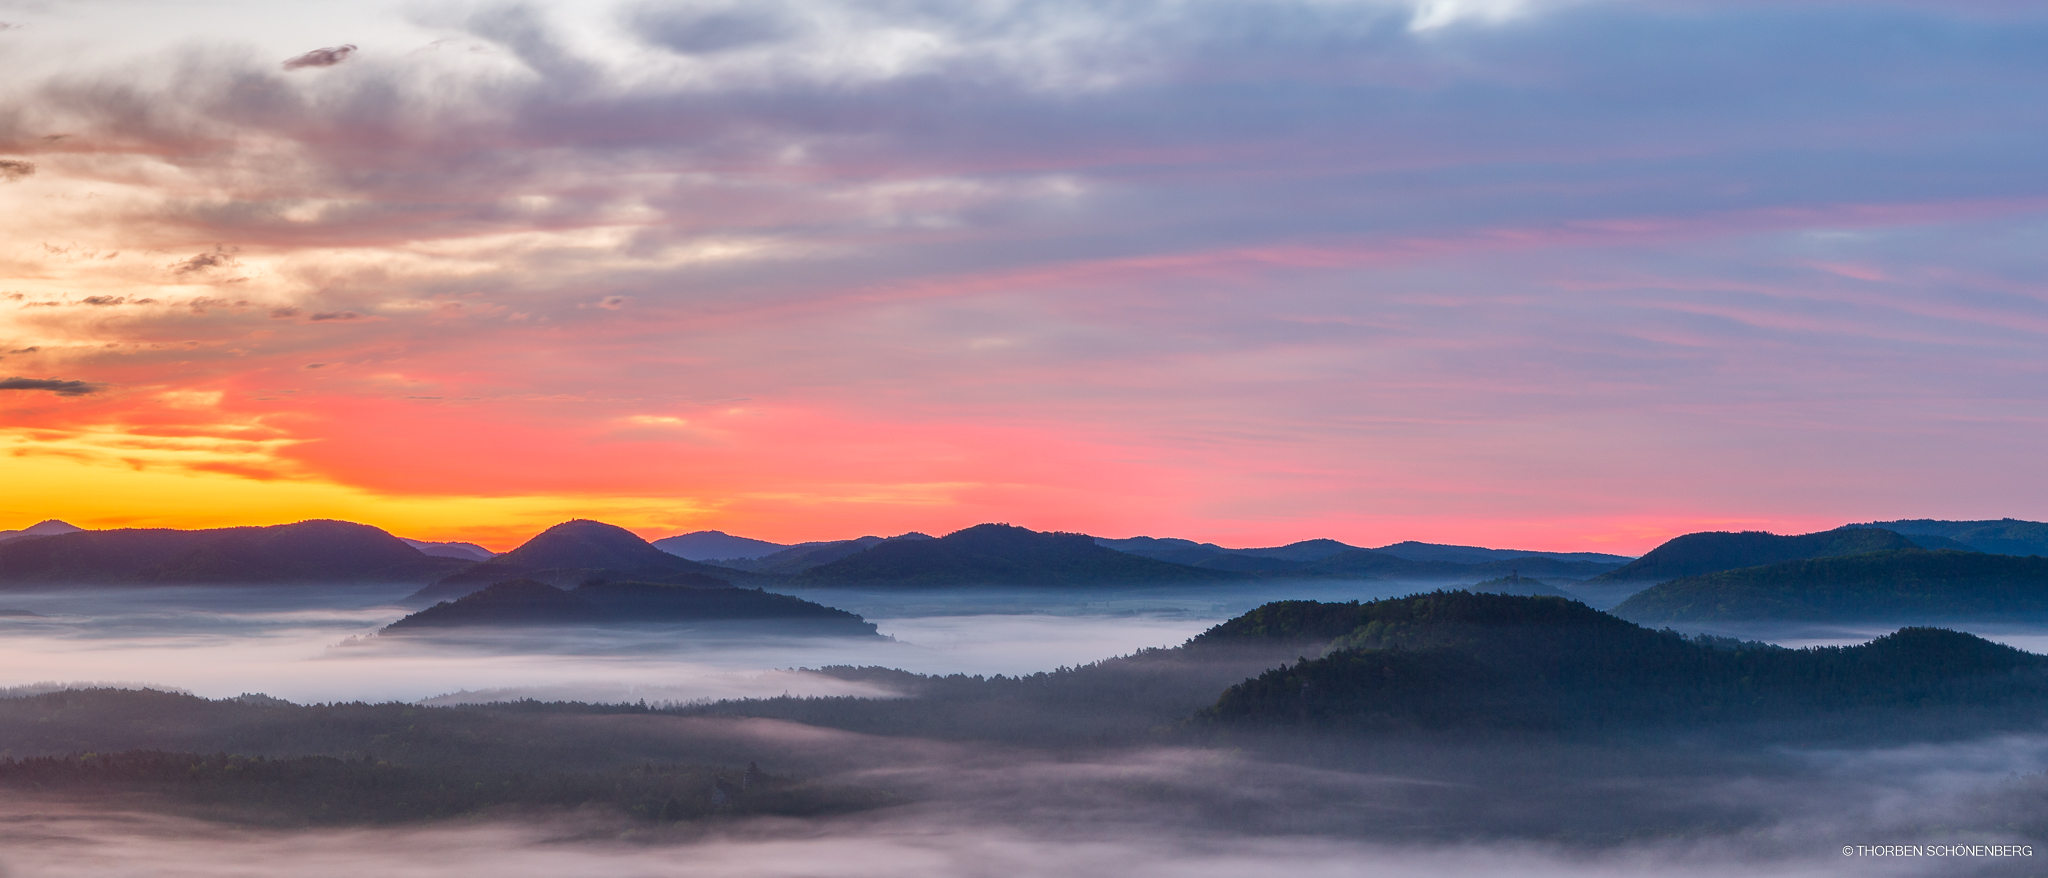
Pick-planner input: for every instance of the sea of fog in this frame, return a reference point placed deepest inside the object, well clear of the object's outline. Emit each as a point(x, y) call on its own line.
point(1155, 812)
point(979, 810)
point(320, 644)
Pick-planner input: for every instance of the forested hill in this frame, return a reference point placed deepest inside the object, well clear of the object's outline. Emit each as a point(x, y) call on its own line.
point(1891, 585)
point(316, 551)
point(1695, 554)
point(1461, 661)
point(2005, 536)
point(1000, 554)
point(523, 603)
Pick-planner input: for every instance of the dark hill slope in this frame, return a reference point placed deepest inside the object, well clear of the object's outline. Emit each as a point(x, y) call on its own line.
point(48, 527)
point(308, 551)
point(1695, 554)
point(2006, 536)
point(1415, 551)
point(999, 554)
point(1369, 564)
point(1461, 661)
point(710, 545)
point(526, 603)
point(575, 551)
point(799, 558)
point(1893, 585)
point(1174, 550)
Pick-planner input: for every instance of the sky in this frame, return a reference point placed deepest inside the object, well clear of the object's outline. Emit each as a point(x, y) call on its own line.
point(1547, 275)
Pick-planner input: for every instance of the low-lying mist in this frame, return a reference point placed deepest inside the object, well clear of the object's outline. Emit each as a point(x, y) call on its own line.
point(309, 644)
point(987, 811)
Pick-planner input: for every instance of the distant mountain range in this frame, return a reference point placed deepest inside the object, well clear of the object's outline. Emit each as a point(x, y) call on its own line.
point(51, 527)
point(464, 551)
point(305, 552)
point(1000, 554)
point(1295, 556)
point(574, 552)
point(713, 545)
point(526, 603)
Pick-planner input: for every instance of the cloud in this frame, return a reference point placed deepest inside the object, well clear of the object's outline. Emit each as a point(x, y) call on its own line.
point(327, 57)
point(16, 169)
point(203, 262)
point(53, 385)
point(1264, 271)
point(708, 30)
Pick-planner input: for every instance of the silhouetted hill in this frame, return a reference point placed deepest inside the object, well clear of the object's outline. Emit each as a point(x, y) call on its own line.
point(524, 602)
point(1216, 557)
point(799, 558)
point(50, 527)
point(1409, 561)
point(1177, 551)
point(573, 550)
point(999, 554)
point(1900, 584)
point(1415, 551)
point(1367, 564)
point(308, 551)
point(463, 551)
point(1698, 553)
point(1462, 661)
point(2006, 536)
point(712, 545)
point(1930, 541)
point(1517, 585)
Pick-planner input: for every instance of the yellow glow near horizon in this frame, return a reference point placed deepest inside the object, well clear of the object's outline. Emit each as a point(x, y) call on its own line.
point(94, 494)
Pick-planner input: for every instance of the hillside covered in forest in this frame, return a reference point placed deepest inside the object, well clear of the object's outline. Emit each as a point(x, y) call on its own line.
point(1899, 584)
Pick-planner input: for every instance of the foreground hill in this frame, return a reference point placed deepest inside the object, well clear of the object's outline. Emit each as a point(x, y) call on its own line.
point(526, 603)
point(1710, 552)
point(1000, 554)
point(2006, 536)
point(305, 552)
point(1891, 585)
point(1461, 661)
point(574, 551)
